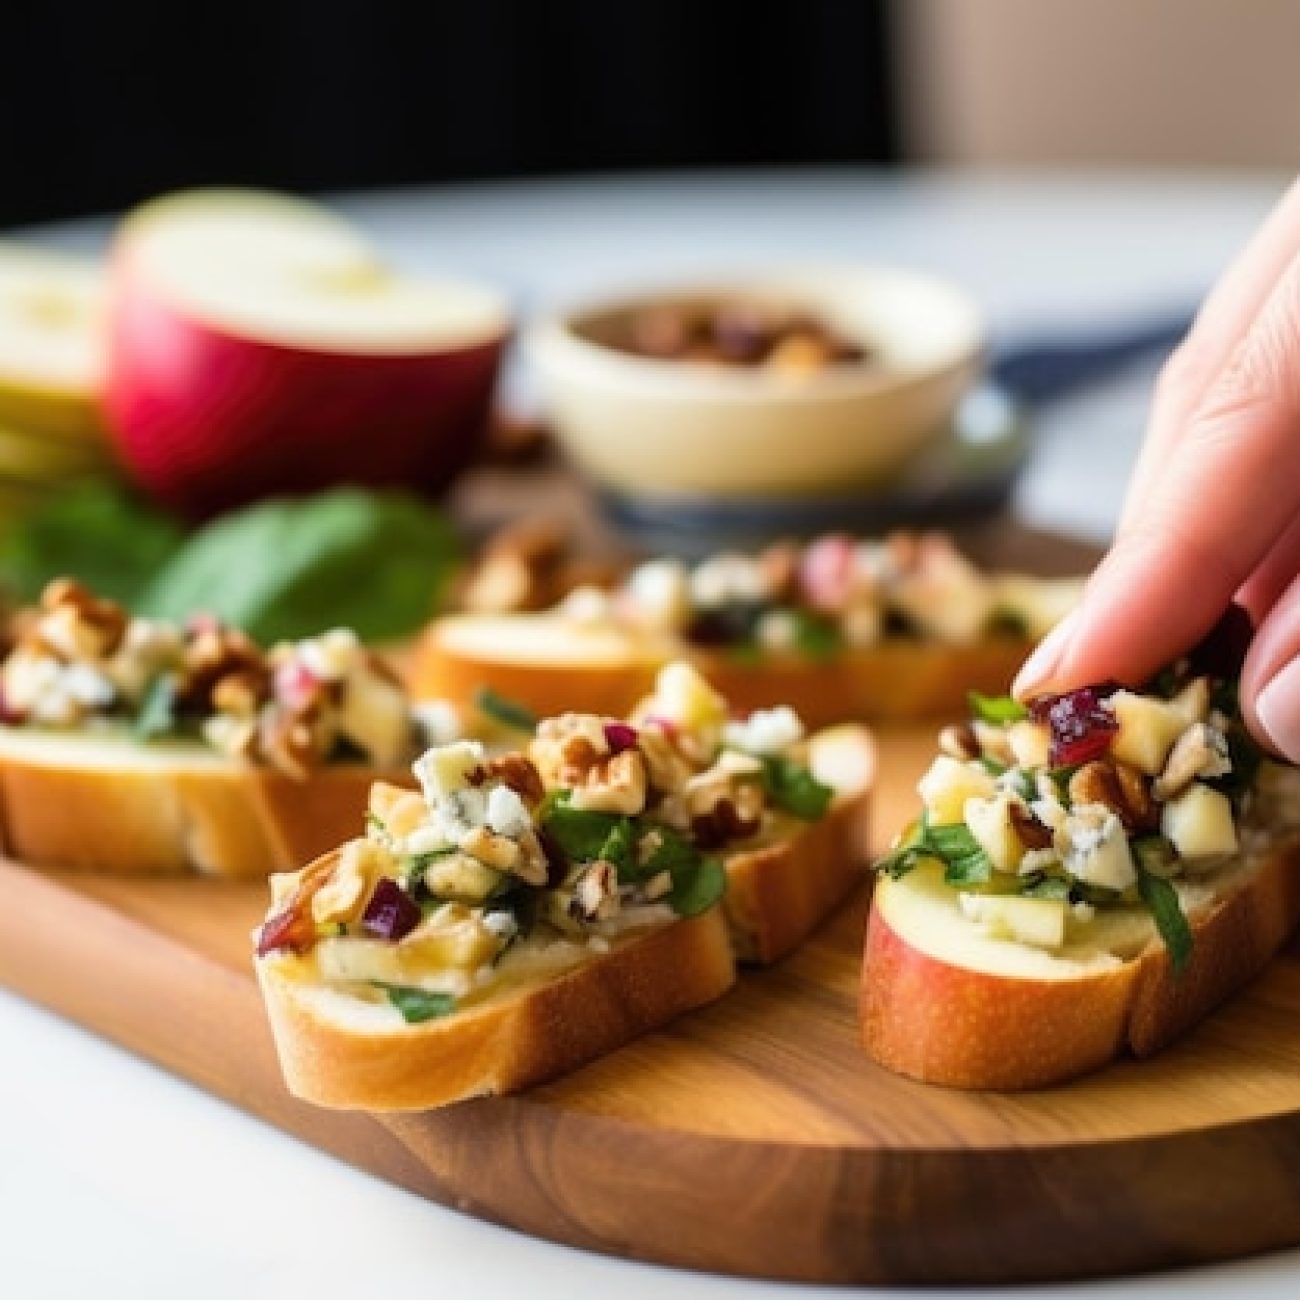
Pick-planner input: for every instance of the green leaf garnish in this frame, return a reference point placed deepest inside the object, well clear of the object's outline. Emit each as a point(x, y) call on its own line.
point(965, 862)
point(791, 787)
point(416, 1005)
point(509, 713)
point(1053, 887)
point(581, 836)
point(158, 716)
point(698, 888)
point(1161, 899)
point(997, 709)
point(815, 635)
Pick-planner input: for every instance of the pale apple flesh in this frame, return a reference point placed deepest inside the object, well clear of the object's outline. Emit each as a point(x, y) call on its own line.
point(51, 345)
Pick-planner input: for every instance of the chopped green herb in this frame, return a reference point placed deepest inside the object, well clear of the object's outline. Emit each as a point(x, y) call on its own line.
point(619, 847)
point(1153, 853)
point(673, 853)
point(1161, 899)
point(997, 709)
point(1005, 621)
point(158, 711)
point(991, 765)
point(416, 1005)
point(375, 823)
point(965, 861)
point(1053, 887)
point(698, 888)
point(815, 635)
point(1061, 779)
point(509, 713)
point(792, 787)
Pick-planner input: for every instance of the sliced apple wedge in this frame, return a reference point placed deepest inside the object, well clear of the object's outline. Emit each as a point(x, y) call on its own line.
point(52, 351)
point(258, 343)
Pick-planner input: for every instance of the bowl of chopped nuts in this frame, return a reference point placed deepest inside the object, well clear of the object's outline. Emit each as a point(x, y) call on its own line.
point(793, 384)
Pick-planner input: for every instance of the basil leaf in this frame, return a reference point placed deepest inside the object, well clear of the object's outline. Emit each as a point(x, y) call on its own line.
point(997, 709)
point(1161, 899)
point(104, 535)
point(1153, 853)
point(509, 713)
point(909, 850)
point(698, 888)
point(619, 847)
point(417, 1006)
point(792, 787)
point(966, 863)
point(673, 853)
point(157, 714)
point(286, 568)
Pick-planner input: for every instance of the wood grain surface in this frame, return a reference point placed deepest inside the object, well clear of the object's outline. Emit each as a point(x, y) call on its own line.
point(753, 1137)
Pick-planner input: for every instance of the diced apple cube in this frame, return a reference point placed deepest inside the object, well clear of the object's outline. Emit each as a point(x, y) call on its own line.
point(947, 786)
point(991, 825)
point(684, 697)
point(1199, 823)
point(1148, 728)
point(1030, 743)
point(1039, 922)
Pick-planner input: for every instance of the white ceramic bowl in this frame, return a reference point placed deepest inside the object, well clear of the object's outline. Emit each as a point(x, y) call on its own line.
point(644, 426)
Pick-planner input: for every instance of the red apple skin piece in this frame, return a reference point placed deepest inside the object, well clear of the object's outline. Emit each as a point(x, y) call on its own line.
point(946, 1024)
point(206, 420)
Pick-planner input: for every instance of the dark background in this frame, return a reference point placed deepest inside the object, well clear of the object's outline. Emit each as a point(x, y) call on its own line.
point(103, 103)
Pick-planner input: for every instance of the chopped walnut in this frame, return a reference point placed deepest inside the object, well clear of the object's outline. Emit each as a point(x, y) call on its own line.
point(1201, 751)
point(519, 773)
point(240, 693)
point(566, 747)
point(75, 624)
point(595, 893)
point(960, 741)
point(668, 770)
point(1120, 788)
point(342, 897)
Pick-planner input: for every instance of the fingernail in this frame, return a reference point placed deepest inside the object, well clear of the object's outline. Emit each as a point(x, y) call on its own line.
point(1278, 709)
point(1039, 667)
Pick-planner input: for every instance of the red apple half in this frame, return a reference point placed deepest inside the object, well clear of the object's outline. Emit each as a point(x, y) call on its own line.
point(257, 344)
point(945, 1001)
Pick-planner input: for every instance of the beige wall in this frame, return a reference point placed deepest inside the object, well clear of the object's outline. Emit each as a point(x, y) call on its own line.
point(1097, 81)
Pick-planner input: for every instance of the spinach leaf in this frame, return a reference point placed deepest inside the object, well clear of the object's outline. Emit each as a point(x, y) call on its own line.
point(509, 713)
point(417, 1006)
point(1053, 887)
point(792, 787)
point(997, 709)
point(157, 716)
point(109, 538)
point(286, 568)
point(1161, 899)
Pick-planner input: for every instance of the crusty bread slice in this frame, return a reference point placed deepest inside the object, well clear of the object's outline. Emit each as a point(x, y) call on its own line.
point(536, 659)
point(342, 1052)
point(778, 893)
point(114, 805)
point(945, 1003)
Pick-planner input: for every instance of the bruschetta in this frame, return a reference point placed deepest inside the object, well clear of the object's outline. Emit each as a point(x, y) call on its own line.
point(1089, 877)
point(129, 745)
point(837, 628)
point(526, 911)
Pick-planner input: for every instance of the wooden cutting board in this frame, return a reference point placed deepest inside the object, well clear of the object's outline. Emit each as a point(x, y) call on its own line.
point(752, 1137)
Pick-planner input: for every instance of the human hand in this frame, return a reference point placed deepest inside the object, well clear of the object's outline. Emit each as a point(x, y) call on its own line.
point(1212, 512)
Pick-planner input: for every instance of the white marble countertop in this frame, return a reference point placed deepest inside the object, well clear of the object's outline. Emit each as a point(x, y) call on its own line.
point(117, 1180)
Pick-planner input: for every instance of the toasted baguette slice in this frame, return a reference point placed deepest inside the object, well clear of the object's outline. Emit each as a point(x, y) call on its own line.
point(537, 658)
point(339, 1051)
point(779, 893)
point(114, 805)
point(945, 1003)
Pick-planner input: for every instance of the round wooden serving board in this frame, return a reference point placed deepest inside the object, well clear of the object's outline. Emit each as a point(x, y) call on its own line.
point(753, 1137)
